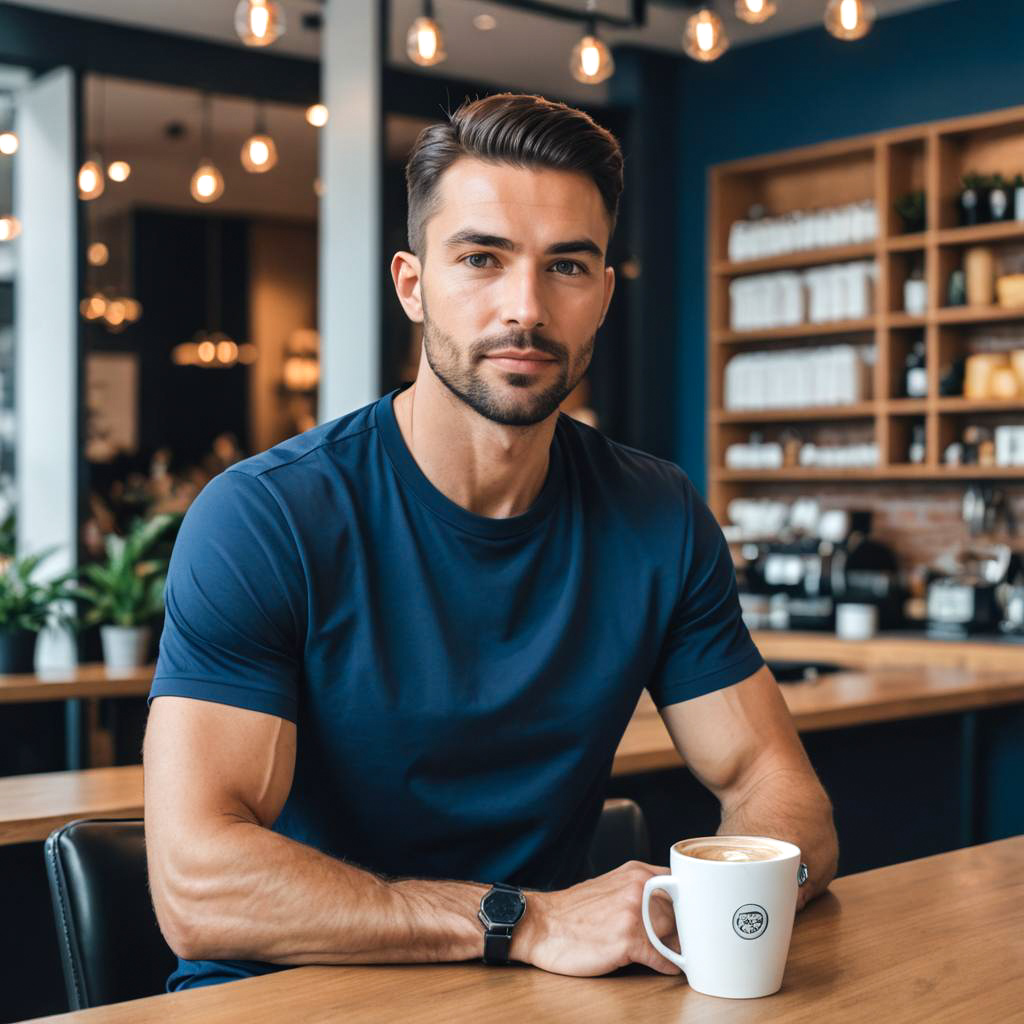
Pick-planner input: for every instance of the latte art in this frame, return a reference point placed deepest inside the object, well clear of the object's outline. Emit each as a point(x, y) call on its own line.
point(730, 852)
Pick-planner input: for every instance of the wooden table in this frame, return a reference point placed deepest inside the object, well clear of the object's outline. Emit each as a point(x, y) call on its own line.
point(891, 650)
point(937, 939)
point(75, 685)
point(32, 805)
point(92, 680)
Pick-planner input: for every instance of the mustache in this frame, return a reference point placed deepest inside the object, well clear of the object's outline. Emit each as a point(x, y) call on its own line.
point(521, 340)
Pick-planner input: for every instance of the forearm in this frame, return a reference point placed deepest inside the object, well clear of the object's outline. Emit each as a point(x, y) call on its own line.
point(242, 892)
point(791, 805)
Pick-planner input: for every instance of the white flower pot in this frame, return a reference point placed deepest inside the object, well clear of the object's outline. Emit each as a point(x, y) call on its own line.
point(125, 646)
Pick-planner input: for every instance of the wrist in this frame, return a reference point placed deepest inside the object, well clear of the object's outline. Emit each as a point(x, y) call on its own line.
point(530, 931)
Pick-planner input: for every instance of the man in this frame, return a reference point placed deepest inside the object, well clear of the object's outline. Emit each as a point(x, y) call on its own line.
point(402, 647)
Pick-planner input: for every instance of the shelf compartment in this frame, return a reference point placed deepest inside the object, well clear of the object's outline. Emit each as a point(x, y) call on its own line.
point(858, 411)
point(977, 314)
point(801, 258)
point(911, 473)
point(999, 231)
point(863, 326)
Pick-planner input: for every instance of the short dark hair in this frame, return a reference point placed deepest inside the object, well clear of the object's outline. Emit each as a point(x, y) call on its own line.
point(511, 128)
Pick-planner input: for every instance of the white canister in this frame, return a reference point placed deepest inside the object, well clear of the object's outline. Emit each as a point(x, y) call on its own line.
point(856, 621)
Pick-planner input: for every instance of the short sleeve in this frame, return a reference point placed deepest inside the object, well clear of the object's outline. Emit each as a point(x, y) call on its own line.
point(707, 645)
point(234, 624)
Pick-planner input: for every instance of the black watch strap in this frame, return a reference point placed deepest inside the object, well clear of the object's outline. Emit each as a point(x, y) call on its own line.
point(497, 944)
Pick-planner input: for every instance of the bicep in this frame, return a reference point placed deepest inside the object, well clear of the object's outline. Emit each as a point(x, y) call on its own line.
point(735, 734)
point(208, 765)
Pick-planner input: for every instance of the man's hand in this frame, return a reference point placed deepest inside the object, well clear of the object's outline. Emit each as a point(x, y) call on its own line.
point(596, 926)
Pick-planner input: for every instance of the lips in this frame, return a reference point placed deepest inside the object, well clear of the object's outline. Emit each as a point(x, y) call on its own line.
point(529, 360)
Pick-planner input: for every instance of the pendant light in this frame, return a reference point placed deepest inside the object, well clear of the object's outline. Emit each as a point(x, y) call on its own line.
point(207, 185)
point(90, 178)
point(704, 37)
point(753, 12)
point(849, 19)
point(316, 115)
point(259, 22)
point(424, 44)
point(591, 61)
point(119, 171)
point(9, 141)
point(259, 154)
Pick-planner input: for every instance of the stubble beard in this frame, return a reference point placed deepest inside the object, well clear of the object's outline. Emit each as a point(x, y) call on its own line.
point(529, 403)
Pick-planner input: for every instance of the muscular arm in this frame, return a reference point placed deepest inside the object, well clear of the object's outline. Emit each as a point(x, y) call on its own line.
point(226, 887)
point(740, 742)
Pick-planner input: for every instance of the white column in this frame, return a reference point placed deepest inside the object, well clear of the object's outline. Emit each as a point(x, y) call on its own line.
point(46, 333)
point(350, 169)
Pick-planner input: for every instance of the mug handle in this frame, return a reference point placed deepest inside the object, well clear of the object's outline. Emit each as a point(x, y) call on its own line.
point(671, 886)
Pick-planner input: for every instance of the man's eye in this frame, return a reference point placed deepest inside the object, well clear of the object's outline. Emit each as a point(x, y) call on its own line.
point(569, 267)
point(478, 256)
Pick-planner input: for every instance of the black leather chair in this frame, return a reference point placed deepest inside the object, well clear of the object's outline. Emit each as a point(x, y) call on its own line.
point(110, 944)
point(621, 835)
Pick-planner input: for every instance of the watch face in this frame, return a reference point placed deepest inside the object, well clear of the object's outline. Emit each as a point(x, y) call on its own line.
point(504, 907)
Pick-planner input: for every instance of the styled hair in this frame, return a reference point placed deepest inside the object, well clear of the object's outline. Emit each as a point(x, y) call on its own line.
point(511, 128)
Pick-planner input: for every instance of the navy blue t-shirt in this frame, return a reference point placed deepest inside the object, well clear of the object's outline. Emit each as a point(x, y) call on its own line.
point(459, 683)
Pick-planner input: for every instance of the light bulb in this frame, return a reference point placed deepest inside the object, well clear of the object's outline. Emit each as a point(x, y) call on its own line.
point(424, 43)
point(316, 115)
point(90, 180)
point(119, 170)
point(8, 143)
point(485, 22)
point(132, 310)
point(115, 313)
point(849, 19)
point(753, 12)
point(591, 61)
point(227, 352)
point(207, 185)
point(259, 153)
point(97, 254)
point(93, 307)
point(206, 351)
point(259, 22)
point(10, 227)
point(704, 37)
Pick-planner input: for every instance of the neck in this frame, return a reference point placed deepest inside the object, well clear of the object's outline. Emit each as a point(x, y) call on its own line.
point(486, 468)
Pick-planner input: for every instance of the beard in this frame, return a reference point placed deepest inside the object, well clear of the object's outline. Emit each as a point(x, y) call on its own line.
point(519, 399)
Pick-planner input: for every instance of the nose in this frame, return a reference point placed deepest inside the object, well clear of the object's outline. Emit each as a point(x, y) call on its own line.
point(523, 302)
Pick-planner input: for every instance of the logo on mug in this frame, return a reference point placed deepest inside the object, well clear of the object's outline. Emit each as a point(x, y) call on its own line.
point(750, 921)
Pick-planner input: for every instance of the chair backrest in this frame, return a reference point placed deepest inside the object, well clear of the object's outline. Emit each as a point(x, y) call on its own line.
point(621, 835)
point(110, 944)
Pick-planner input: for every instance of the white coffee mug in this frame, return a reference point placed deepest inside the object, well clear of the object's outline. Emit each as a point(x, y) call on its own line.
point(734, 917)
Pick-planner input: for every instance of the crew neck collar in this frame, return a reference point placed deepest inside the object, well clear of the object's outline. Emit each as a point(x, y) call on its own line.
point(414, 478)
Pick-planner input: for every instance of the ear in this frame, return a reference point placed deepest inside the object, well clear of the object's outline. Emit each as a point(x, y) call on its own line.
point(609, 291)
point(406, 272)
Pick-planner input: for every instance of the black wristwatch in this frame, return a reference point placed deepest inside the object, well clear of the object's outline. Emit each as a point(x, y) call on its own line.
point(501, 909)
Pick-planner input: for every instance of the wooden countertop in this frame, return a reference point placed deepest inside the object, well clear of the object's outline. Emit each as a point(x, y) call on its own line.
point(840, 699)
point(890, 650)
point(91, 680)
point(932, 939)
point(31, 806)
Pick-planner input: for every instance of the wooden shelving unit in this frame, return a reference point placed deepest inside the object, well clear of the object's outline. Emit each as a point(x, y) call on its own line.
point(882, 166)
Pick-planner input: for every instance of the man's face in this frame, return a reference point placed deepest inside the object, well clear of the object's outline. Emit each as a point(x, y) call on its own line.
point(513, 287)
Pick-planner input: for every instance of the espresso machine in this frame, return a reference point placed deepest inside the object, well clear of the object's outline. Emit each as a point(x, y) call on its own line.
point(796, 582)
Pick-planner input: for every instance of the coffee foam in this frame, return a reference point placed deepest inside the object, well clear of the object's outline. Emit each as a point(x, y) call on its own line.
point(734, 852)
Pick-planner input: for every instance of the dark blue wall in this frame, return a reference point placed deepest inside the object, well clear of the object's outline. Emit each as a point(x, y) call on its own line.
point(943, 61)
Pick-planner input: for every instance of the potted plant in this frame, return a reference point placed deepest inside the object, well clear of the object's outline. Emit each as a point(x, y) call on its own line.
point(25, 608)
point(973, 199)
point(911, 209)
point(1000, 198)
point(126, 592)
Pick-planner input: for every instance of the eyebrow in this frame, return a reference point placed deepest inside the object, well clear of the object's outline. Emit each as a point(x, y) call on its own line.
point(470, 236)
